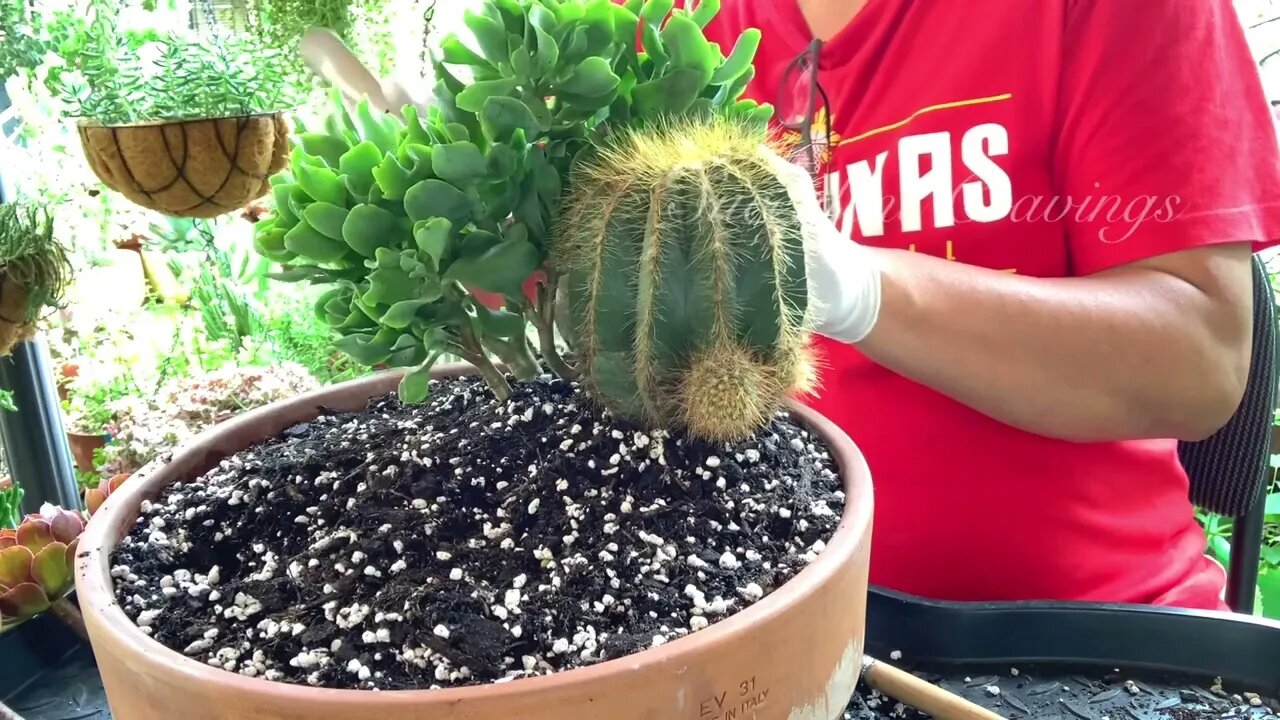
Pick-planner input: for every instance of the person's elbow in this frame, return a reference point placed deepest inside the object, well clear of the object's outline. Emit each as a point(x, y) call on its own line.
point(1214, 393)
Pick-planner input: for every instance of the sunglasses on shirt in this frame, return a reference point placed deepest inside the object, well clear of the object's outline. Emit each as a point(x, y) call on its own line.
point(799, 99)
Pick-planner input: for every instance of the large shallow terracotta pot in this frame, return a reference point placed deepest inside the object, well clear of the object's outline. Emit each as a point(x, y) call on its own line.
point(795, 655)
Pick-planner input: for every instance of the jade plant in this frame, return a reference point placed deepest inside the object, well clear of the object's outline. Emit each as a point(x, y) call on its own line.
point(413, 225)
point(36, 566)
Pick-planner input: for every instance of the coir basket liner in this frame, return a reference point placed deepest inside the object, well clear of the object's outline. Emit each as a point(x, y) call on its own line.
point(795, 655)
point(197, 168)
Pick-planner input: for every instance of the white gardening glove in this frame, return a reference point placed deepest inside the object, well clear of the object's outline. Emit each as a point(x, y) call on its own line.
point(844, 277)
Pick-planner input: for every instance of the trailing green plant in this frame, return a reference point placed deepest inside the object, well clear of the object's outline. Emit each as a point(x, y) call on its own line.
point(191, 76)
point(35, 270)
point(435, 235)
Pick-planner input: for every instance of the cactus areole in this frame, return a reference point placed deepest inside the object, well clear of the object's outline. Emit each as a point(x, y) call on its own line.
point(686, 278)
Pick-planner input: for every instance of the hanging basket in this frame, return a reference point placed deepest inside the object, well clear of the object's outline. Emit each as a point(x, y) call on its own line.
point(190, 168)
point(16, 325)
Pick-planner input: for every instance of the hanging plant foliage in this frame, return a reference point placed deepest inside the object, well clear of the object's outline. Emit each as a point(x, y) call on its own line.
point(194, 133)
point(34, 271)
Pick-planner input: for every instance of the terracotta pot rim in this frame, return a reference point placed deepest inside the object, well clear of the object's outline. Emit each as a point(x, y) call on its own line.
point(96, 591)
point(85, 124)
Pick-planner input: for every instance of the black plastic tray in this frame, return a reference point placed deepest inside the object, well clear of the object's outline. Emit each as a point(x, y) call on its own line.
point(45, 674)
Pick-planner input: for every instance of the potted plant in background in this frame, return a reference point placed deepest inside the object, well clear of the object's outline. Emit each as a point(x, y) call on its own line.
point(619, 491)
point(34, 271)
point(194, 133)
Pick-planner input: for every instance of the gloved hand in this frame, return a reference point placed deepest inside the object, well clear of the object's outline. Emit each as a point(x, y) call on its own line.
point(844, 277)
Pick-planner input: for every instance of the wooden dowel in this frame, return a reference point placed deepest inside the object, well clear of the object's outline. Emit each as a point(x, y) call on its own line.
point(920, 694)
point(7, 714)
point(70, 616)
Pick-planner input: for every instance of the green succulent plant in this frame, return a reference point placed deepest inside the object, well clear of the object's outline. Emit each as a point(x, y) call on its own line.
point(36, 563)
point(418, 225)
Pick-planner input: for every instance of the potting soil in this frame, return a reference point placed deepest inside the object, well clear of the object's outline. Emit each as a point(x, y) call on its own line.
point(467, 541)
point(1059, 692)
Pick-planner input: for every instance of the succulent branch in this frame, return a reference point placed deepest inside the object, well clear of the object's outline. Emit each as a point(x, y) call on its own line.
point(36, 565)
point(408, 223)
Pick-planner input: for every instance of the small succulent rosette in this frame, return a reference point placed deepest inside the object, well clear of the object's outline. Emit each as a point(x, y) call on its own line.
point(36, 563)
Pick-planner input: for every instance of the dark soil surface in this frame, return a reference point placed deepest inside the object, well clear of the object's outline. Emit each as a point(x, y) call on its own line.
point(1055, 692)
point(466, 541)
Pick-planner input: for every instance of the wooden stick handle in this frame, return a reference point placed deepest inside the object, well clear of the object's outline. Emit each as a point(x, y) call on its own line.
point(8, 714)
point(922, 695)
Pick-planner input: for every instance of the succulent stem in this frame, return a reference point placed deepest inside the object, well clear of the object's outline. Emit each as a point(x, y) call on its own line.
point(471, 351)
point(543, 317)
point(69, 614)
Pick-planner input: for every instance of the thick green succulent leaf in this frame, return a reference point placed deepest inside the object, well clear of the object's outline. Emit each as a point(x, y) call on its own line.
point(400, 276)
point(34, 534)
point(328, 147)
point(502, 116)
point(669, 95)
point(548, 54)
point(705, 12)
point(360, 161)
point(381, 129)
point(472, 99)
point(321, 184)
point(50, 570)
point(592, 78)
point(368, 228)
point(654, 12)
point(415, 386)
point(490, 35)
point(304, 240)
point(326, 218)
point(284, 217)
point(393, 179)
point(500, 269)
point(435, 198)
point(433, 238)
point(402, 314)
point(24, 601)
point(334, 305)
point(459, 163)
point(688, 48)
point(500, 323)
point(739, 60)
point(455, 52)
point(15, 566)
point(269, 242)
point(522, 64)
point(363, 349)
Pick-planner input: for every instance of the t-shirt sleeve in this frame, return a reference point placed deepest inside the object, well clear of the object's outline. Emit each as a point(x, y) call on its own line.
point(1164, 126)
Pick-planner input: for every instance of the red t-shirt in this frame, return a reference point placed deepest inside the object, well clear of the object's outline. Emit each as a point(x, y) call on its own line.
point(1048, 138)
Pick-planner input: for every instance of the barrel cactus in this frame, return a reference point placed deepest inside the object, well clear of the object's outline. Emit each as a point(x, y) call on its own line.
point(686, 281)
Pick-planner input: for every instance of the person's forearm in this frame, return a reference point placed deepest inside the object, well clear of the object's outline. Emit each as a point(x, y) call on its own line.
point(1096, 358)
